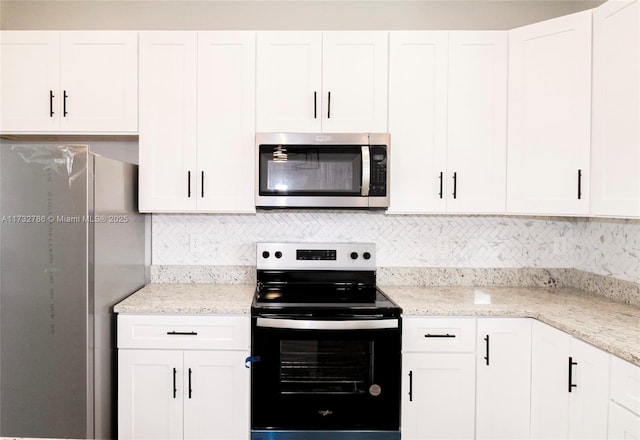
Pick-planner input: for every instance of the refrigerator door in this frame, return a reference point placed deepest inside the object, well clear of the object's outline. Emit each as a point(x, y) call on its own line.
point(43, 291)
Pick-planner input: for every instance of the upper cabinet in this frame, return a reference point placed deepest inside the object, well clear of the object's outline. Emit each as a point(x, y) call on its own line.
point(550, 117)
point(321, 82)
point(447, 118)
point(197, 126)
point(615, 148)
point(75, 81)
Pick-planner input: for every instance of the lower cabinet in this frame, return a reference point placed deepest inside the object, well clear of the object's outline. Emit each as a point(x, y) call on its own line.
point(569, 386)
point(438, 378)
point(503, 375)
point(190, 393)
point(624, 407)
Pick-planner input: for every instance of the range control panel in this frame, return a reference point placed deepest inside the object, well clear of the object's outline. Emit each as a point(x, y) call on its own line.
point(316, 256)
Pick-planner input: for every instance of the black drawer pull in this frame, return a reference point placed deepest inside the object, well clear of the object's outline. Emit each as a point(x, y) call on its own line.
point(441, 183)
point(182, 333)
point(447, 335)
point(51, 96)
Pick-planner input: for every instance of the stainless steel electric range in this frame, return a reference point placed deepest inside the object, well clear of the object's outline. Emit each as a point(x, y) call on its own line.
point(325, 345)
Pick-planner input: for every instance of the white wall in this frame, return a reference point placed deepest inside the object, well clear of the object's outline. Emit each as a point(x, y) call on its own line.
point(267, 14)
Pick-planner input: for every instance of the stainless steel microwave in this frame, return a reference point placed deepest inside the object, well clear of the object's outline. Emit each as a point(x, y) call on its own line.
point(323, 170)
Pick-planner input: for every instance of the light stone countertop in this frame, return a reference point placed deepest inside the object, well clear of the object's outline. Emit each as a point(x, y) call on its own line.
point(609, 325)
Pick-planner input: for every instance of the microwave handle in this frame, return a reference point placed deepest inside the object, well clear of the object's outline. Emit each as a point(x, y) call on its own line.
point(366, 171)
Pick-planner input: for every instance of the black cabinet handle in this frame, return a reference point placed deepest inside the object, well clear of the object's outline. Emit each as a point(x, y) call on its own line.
point(455, 184)
point(571, 364)
point(188, 183)
point(51, 96)
point(447, 335)
point(175, 389)
point(189, 383)
point(486, 358)
point(315, 105)
point(64, 103)
point(579, 184)
point(202, 184)
point(174, 333)
point(441, 183)
point(329, 106)
point(410, 386)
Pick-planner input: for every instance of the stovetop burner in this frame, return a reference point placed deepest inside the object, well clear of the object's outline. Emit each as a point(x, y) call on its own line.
point(319, 280)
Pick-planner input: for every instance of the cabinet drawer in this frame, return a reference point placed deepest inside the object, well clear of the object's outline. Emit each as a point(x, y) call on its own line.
point(211, 332)
point(445, 335)
point(625, 384)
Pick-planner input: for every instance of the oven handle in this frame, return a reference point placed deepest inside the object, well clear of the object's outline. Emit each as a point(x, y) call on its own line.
point(303, 324)
point(366, 171)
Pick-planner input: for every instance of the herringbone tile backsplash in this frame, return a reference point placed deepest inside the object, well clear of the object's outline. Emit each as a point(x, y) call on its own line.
point(605, 247)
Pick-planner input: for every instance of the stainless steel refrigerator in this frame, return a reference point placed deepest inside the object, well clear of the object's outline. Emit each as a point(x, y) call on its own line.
point(72, 246)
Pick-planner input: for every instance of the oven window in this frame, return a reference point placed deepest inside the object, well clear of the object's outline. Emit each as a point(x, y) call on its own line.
point(325, 367)
point(308, 170)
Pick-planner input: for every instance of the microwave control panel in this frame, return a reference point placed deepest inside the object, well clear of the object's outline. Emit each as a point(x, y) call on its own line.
point(378, 181)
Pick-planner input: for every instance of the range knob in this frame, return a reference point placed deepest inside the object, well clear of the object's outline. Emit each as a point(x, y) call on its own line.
point(278, 254)
point(354, 255)
point(265, 254)
point(366, 255)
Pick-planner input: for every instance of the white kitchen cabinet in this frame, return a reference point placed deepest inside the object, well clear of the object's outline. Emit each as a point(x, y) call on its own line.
point(71, 82)
point(624, 407)
point(615, 148)
point(569, 386)
point(418, 120)
point(321, 81)
point(149, 406)
point(170, 387)
point(197, 121)
point(168, 121)
point(503, 378)
point(438, 380)
point(477, 122)
point(550, 117)
point(447, 116)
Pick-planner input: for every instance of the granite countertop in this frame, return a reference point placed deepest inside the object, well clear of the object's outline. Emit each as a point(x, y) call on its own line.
point(609, 325)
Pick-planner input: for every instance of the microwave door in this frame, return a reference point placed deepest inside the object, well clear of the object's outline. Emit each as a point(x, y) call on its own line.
point(308, 170)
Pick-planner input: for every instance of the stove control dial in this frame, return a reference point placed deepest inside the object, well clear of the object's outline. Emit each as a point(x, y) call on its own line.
point(265, 254)
point(278, 254)
point(354, 255)
point(366, 255)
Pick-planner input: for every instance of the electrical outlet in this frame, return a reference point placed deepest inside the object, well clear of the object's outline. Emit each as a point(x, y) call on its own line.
point(560, 246)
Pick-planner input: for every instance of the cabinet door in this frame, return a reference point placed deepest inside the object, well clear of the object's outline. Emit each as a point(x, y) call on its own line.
point(477, 122)
point(226, 121)
point(288, 88)
point(418, 120)
point(550, 350)
point(623, 424)
point(150, 403)
point(438, 396)
point(615, 148)
point(589, 400)
point(99, 87)
point(216, 395)
point(503, 388)
point(29, 81)
point(168, 72)
point(354, 82)
point(550, 116)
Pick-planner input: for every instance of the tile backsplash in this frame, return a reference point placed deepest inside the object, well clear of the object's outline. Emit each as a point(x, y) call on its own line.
point(602, 246)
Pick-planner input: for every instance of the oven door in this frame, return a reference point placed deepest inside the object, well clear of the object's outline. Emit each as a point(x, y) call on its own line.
point(313, 175)
point(336, 375)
